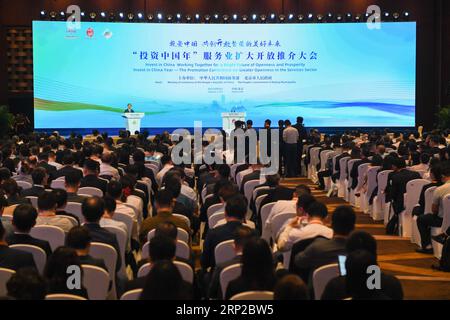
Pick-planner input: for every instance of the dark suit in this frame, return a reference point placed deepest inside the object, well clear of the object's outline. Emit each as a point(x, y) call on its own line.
point(99, 234)
point(241, 284)
point(64, 171)
point(34, 191)
point(22, 238)
point(73, 197)
point(215, 291)
point(51, 170)
point(94, 182)
point(15, 259)
point(213, 238)
point(128, 110)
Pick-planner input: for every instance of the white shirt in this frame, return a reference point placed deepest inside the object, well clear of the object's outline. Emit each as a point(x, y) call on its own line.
point(290, 235)
point(160, 175)
point(280, 206)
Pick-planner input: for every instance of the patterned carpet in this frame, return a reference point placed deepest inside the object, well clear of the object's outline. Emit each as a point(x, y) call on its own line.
point(396, 255)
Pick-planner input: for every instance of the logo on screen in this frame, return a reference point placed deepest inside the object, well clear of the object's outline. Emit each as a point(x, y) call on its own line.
point(90, 32)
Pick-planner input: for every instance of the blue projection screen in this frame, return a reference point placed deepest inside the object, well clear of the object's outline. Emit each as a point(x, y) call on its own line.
point(334, 74)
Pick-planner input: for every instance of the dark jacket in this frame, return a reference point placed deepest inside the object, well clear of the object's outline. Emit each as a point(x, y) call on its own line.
point(95, 182)
point(15, 259)
point(22, 238)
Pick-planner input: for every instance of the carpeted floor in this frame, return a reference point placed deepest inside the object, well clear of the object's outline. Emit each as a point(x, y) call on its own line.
point(396, 255)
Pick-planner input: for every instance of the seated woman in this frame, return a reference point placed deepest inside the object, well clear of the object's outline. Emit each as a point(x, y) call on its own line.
point(56, 272)
point(258, 271)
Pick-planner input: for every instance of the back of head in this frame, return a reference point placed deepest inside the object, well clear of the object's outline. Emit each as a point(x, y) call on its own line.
point(78, 238)
point(110, 204)
point(27, 284)
point(163, 282)
point(167, 229)
point(399, 163)
point(273, 180)
point(10, 187)
point(343, 220)
point(38, 175)
point(164, 198)
point(173, 184)
point(424, 158)
point(91, 166)
point(224, 171)
point(226, 191)
point(165, 159)
point(61, 197)
point(161, 248)
point(242, 235)
point(290, 287)
point(46, 201)
point(361, 240)
point(236, 207)
point(24, 217)
point(317, 210)
point(305, 200)
point(93, 209)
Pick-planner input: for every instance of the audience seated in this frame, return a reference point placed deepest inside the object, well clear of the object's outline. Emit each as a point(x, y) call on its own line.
point(72, 184)
point(27, 284)
point(47, 213)
point(290, 287)
point(91, 170)
point(24, 218)
point(12, 258)
point(39, 177)
point(80, 240)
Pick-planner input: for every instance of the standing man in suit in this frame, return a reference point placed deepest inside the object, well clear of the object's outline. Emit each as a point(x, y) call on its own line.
point(92, 210)
point(302, 135)
point(39, 176)
point(290, 139)
point(129, 108)
point(11, 258)
point(24, 218)
point(91, 170)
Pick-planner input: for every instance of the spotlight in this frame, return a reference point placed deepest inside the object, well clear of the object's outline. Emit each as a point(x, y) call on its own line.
point(244, 18)
point(62, 14)
point(169, 17)
point(329, 16)
point(103, 14)
point(263, 18)
point(396, 15)
point(150, 17)
point(290, 16)
point(130, 16)
point(226, 18)
point(197, 16)
point(160, 16)
point(281, 17)
point(82, 14)
point(188, 18)
point(320, 17)
point(386, 14)
point(310, 16)
point(406, 16)
point(216, 16)
point(140, 16)
point(93, 16)
point(178, 16)
point(254, 17)
point(272, 16)
point(300, 17)
point(207, 18)
point(121, 15)
point(43, 14)
point(52, 15)
point(235, 17)
point(358, 17)
point(339, 17)
point(348, 16)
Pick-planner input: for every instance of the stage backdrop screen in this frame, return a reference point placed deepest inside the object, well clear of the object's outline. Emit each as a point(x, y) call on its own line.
point(333, 74)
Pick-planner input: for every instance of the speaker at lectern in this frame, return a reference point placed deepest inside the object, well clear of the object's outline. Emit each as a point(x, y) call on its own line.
point(133, 121)
point(229, 118)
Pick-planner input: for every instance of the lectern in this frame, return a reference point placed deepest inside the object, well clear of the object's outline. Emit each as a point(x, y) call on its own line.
point(133, 121)
point(229, 118)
